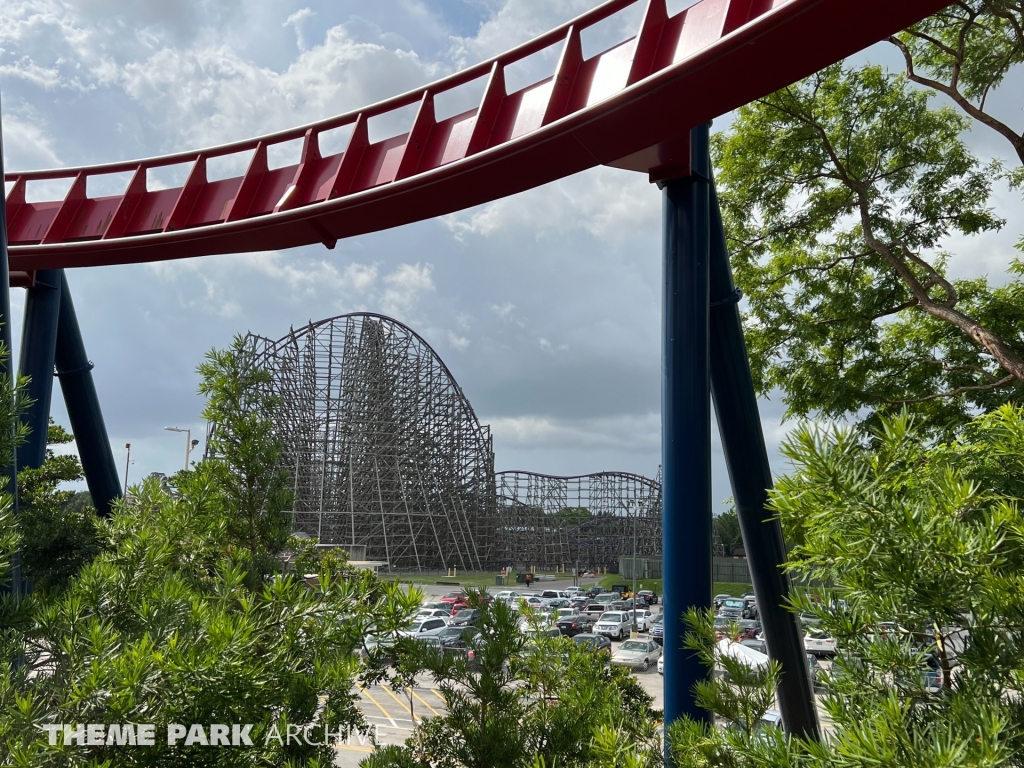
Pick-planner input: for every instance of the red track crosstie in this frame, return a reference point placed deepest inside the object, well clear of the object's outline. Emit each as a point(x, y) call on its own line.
point(630, 107)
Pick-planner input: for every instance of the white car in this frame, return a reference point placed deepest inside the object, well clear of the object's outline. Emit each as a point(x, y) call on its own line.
point(644, 619)
point(551, 595)
point(637, 654)
point(533, 601)
point(507, 596)
point(819, 643)
point(433, 613)
point(661, 664)
point(613, 624)
point(424, 628)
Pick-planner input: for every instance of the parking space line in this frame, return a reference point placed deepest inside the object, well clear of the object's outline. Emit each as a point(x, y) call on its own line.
point(353, 748)
point(424, 702)
point(401, 703)
point(438, 694)
point(386, 713)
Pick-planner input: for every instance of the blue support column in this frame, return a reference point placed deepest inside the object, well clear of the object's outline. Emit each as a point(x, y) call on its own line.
point(38, 346)
point(75, 372)
point(739, 425)
point(686, 422)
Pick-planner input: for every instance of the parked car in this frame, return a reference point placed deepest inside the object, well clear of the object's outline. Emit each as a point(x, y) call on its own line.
point(532, 633)
point(561, 602)
point(507, 595)
point(819, 642)
point(454, 635)
point(644, 619)
point(591, 642)
point(532, 600)
point(637, 654)
point(648, 595)
point(613, 624)
point(376, 645)
point(748, 628)
point(719, 599)
point(421, 627)
point(750, 608)
point(575, 624)
point(578, 602)
point(433, 613)
point(465, 618)
point(573, 591)
point(594, 610)
point(594, 591)
point(732, 608)
point(607, 597)
point(757, 644)
point(454, 597)
point(437, 605)
point(553, 594)
point(657, 630)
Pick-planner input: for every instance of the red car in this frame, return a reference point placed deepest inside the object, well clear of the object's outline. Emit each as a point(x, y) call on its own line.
point(454, 597)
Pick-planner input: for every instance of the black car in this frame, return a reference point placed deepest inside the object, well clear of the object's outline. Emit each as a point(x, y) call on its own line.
point(575, 624)
point(465, 618)
point(590, 642)
point(649, 596)
point(451, 636)
point(594, 591)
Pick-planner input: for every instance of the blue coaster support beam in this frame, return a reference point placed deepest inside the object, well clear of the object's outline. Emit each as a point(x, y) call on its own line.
point(74, 369)
point(686, 421)
point(38, 347)
point(739, 425)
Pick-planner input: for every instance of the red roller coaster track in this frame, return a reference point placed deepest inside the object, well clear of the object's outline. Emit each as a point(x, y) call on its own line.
point(629, 107)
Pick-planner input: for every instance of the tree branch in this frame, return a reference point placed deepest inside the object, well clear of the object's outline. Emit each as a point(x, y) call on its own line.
point(958, 391)
point(1017, 141)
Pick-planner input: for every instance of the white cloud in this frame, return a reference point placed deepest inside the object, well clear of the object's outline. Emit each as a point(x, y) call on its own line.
point(625, 432)
point(607, 203)
point(296, 20)
point(460, 343)
point(404, 287)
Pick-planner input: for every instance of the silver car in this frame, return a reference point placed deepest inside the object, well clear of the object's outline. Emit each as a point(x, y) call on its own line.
point(637, 654)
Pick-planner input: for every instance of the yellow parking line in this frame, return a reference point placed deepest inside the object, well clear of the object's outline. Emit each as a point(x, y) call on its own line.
point(438, 694)
point(401, 703)
point(425, 703)
point(386, 714)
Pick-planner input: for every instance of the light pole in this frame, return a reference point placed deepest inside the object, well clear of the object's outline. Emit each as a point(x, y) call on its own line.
point(127, 461)
point(189, 443)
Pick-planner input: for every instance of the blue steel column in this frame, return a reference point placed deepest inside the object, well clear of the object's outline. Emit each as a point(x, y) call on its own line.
point(75, 373)
point(739, 425)
point(686, 423)
point(38, 346)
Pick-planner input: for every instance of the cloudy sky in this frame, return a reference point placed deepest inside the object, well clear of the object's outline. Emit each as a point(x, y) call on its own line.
point(546, 306)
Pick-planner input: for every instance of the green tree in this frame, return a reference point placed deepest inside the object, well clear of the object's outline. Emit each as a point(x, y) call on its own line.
point(168, 625)
point(838, 193)
point(523, 701)
point(60, 534)
point(965, 52)
point(924, 546)
point(241, 404)
point(728, 526)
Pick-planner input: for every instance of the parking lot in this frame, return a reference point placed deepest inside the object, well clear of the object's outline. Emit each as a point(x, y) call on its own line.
point(392, 714)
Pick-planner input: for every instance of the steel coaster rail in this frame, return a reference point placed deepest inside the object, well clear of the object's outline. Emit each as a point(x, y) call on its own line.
point(630, 106)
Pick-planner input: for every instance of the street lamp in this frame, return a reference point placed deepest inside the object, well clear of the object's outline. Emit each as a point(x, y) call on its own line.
point(189, 442)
